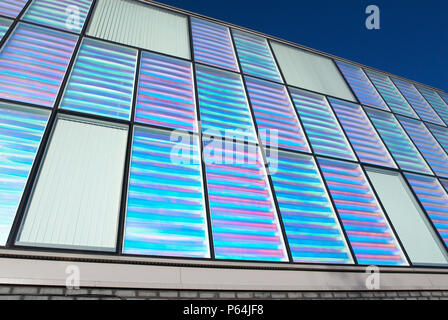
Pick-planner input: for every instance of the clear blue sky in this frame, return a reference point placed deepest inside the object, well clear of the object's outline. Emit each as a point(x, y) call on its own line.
point(412, 41)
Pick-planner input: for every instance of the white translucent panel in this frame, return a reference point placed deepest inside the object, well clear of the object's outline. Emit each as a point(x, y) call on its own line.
point(311, 71)
point(413, 228)
point(141, 25)
point(76, 200)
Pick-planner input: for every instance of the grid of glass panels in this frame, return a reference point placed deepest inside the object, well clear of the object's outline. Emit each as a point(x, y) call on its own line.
point(303, 205)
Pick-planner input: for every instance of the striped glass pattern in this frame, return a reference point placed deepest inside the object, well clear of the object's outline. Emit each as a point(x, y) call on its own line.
point(402, 149)
point(423, 109)
point(311, 225)
point(212, 44)
point(427, 145)
point(321, 126)
point(390, 94)
point(102, 80)
point(255, 56)
point(21, 130)
point(434, 199)
point(33, 63)
point(223, 105)
point(436, 102)
point(365, 141)
point(441, 134)
point(444, 96)
point(165, 209)
point(275, 115)
point(11, 8)
point(367, 229)
point(361, 85)
point(66, 15)
point(165, 93)
point(4, 26)
point(244, 219)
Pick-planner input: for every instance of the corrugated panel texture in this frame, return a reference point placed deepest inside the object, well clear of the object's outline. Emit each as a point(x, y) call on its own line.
point(123, 21)
point(166, 93)
point(311, 225)
point(102, 80)
point(212, 44)
point(397, 103)
point(368, 231)
point(365, 141)
point(436, 102)
point(321, 126)
point(33, 63)
point(165, 210)
point(76, 200)
point(275, 115)
point(311, 71)
point(244, 219)
point(434, 199)
point(67, 15)
point(441, 134)
point(444, 96)
point(4, 26)
point(255, 56)
point(427, 145)
point(21, 130)
point(401, 147)
point(12, 8)
point(423, 109)
point(223, 105)
point(362, 86)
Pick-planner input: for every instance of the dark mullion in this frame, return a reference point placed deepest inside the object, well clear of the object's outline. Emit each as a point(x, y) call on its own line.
point(46, 137)
point(372, 187)
point(13, 26)
point(201, 146)
point(429, 104)
point(261, 150)
point(127, 164)
point(391, 111)
point(135, 47)
point(422, 207)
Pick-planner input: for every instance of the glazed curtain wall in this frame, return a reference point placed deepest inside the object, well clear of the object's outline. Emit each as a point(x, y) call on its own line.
point(111, 141)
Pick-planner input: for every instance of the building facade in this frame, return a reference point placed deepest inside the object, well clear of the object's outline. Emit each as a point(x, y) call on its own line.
point(152, 152)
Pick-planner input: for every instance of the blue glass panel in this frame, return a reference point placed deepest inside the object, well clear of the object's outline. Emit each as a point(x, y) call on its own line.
point(244, 219)
point(21, 130)
point(255, 56)
point(395, 138)
point(166, 93)
point(33, 63)
point(12, 8)
point(165, 208)
point(311, 225)
point(367, 144)
point(60, 14)
point(444, 96)
point(434, 199)
point(223, 104)
point(436, 102)
point(368, 231)
point(321, 125)
point(276, 119)
point(212, 44)
point(397, 103)
point(361, 85)
point(4, 26)
point(441, 134)
point(102, 80)
point(428, 146)
point(423, 109)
